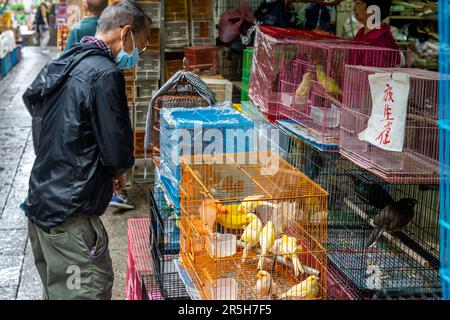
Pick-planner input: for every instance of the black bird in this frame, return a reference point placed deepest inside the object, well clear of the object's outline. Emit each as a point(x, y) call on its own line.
point(373, 193)
point(315, 164)
point(394, 217)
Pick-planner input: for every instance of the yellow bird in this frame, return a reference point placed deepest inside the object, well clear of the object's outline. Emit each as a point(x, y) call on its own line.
point(305, 86)
point(287, 246)
point(305, 290)
point(265, 285)
point(233, 216)
point(329, 84)
point(250, 236)
point(249, 203)
point(266, 240)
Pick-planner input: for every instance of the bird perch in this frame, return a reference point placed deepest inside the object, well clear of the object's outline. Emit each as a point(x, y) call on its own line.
point(283, 261)
point(407, 250)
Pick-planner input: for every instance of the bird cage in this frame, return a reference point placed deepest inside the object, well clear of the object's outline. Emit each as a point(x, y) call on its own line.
point(418, 160)
point(311, 85)
point(222, 89)
point(175, 10)
point(252, 227)
point(203, 32)
point(164, 222)
point(201, 9)
point(167, 277)
point(372, 254)
point(183, 90)
point(195, 131)
point(273, 46)
point(172, 66)
point(177, 34)
point(149, 67)
point(153, 9)
point(201, 59)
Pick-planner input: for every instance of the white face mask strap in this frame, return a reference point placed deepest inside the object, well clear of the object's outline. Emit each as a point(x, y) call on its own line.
point(132, 39)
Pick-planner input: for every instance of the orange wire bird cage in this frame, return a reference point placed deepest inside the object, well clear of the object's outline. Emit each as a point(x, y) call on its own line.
point(252, 227)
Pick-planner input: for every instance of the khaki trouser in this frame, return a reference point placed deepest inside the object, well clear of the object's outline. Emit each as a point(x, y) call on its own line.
point(73, 260)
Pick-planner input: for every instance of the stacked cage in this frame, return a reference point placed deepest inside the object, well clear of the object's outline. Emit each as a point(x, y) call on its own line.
point(311, 85)
point(202, 22)
point(222, 89)
point(147, 75)
point(196, 131)
point(164, 246)
point(201, 60)
point(176, 26)
point(253, 227)
point(273, 46)
point(444, 126)
point(418, 160)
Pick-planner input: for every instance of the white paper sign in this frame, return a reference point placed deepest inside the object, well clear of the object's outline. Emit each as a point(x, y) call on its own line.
point(386, 126)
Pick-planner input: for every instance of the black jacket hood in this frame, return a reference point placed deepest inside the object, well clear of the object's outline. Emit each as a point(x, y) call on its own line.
point(59, 69)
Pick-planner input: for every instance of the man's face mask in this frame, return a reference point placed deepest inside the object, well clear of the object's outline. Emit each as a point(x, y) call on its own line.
point(125, 60)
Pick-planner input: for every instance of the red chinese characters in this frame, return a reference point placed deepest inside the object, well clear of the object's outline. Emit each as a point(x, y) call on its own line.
point(388, 120)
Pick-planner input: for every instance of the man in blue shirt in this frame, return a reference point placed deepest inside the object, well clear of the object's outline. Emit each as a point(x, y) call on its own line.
point(87, 26)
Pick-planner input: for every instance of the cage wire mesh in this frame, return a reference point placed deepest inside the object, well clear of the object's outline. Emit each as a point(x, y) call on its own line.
point(311, 84)
point(272, 47)
point(398, 266)
point(444, 128)
point(166, 275)
point(223, 203)
point(418, 162)
point(164, 222)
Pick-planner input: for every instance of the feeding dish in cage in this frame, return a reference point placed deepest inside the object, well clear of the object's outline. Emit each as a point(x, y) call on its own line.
point(289, 99)
point(327, 117)
point(221, 245)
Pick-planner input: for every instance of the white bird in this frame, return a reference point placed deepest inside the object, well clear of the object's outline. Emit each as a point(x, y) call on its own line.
point(266, 240)
point(265, 286)
point(250, 236)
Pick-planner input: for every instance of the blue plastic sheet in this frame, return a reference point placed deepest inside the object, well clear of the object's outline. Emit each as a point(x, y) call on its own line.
point(186, 132)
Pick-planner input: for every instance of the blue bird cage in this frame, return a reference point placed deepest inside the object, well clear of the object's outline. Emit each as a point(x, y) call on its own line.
point(444, 125)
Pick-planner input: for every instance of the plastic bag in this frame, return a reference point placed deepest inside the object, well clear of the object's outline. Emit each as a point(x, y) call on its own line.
point(235, 22)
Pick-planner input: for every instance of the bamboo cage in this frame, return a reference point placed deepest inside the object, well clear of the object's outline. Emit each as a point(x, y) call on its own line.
point(223, 197)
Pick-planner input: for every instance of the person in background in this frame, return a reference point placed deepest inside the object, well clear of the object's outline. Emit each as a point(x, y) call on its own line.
point(87, 26)
point(84, 143)
point(41, 22)
point(378, 36)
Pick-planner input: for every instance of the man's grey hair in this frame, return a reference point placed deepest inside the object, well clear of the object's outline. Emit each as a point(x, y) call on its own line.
point(121, 14)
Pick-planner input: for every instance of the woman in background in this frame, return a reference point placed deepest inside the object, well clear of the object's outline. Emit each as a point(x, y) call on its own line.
point(378, 36)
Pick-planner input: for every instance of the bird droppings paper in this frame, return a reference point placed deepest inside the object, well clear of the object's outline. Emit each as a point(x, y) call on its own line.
point(386, 126)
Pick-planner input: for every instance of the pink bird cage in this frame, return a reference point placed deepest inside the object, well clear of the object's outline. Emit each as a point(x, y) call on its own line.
point(418, 161)
point(273, 47)
point(311, 85)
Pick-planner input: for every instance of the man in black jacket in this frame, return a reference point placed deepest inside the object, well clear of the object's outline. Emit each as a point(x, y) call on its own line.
point(84, 143)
